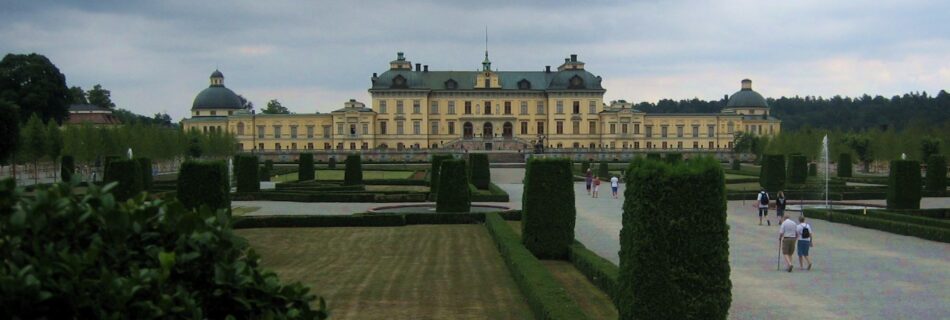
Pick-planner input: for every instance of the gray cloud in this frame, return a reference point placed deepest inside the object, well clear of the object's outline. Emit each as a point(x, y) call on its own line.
point(312, 55)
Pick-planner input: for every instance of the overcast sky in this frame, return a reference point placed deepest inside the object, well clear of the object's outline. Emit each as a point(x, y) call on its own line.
point(155, 56)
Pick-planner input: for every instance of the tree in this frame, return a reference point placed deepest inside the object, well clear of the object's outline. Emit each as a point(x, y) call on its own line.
point(742, 142)
point(54, 143)
point(162, 119)
point(861, 144)
point(100, 97)
point(929, 146)
point(34, 84)
point(274, 107)
point(194, 145)
point(33, 137)
point(9, 130)
point(246, 104)
point(77, 96)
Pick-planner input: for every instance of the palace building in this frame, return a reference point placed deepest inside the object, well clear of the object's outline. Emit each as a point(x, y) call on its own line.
point(415, 108)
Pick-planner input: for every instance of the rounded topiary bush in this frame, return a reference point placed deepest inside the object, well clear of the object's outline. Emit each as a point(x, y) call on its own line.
point(735, 165)
point(67, 167)
point(434, 169)
point(354, 171)
point(936, 173)
point(548, 212)
point(331, 164)
point(305, 168)
point(797, 168)
point(903, 185)
point(669, 267)
point(245, 170)
point(454, 193)
point(128, 173)
point(844, 165)
point(481, 173)
point(603, 170)
point(145, 166)
point(772, 174)
point(812, 170)
point(204, 183)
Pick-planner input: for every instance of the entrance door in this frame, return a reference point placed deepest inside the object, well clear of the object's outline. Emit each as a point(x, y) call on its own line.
point(467, 131)
point(507, 130)
point(487, 131)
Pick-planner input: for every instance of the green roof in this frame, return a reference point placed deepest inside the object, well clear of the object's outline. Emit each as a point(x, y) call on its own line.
point(465, 80)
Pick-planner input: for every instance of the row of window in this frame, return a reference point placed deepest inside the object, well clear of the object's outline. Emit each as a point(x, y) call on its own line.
point(650, 145)
point(505, 108)
point(364, 146)
point(342, 129)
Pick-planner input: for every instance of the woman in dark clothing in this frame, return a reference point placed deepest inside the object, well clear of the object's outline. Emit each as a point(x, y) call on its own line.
point(780, 205)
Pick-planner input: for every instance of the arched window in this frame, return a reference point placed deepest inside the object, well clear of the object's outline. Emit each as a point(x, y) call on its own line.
point(383, 146)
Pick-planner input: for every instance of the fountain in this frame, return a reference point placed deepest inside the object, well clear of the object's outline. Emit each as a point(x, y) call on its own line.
point(130, 153)
point(826, 163)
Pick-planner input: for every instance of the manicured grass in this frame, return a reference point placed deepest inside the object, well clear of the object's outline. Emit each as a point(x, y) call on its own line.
point(411, 272)
point(375, 188)
point(338, 175)
point(240, 211)
point(737, 176)
point(745, 186)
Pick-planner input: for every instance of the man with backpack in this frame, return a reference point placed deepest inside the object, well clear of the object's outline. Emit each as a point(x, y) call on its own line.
point(805, 238)
point(763, 202)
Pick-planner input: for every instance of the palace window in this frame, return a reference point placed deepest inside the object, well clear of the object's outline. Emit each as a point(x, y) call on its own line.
point(352, 145)
point(663, 131)
point(636, 128)
point(613, 128)
point(679, 131)
point(524, 84)
point(524, 107)
point(293, 146)
point(240, 128)
point(451, 84)
point(326, 132)
point(434, 107)
point(309, 145)
point(576, 126)
point(339, 129)
point(310, 132)
point(524, 127)
point(540, 127)
point(623, 128)
point(468, 107)
point(451, 107)
point(593, 127)
point(576, 107)
point(353, 130)
point(451, 127)
point(416, 127)
point(260, 132)
point(399, 127)
point(382, 127)
point(434, 129)
point(540, 107)
point(277, 132)
point(487, 107)
point(560, 127)
point(695, 144)
point(399, 109)
point(649, 131)
point(560, 107)
point(679, 144)
point(507, 107)
point(636, 144)
point(382, 106)
point(366, 128)
point(260, 146)
point(592, 107)
point(416, 107)
point(695, 131)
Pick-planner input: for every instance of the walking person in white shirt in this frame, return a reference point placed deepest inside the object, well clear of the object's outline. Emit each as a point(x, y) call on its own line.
point(805, 242)
point(787, 235)
point(614, 185)
point(762, 202)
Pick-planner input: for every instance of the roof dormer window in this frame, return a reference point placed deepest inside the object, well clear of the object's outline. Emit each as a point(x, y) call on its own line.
point(399, 82)
point(524, 84)
point(576, 83)
point(451, 84)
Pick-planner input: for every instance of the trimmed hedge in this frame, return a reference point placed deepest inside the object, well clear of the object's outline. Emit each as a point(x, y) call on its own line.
point(812, 170)
point(669, 268)
point(904, 185)
point(772, 174)
point(549, 214)
point(546, 297)
point(145, 166)
point(736, 165)
point(297, 221)
point(331, 164)
point(674, 158)
point(844, 165)
point(67, 167)
point(599, 271)
point(305, 169)
point(602, 170)
point(343, 196)
point(653, 156)
point(942, 213)
point(901, 228)
point(936, 173)
point(245, 170)
point(204, 183)
point(479, 169)
point(797, 168)
point(265, 171)
point(899, 217)
point(585, 166)
point(128, 173)
point(354, 170)
point(434, 174)
point(454, 195)
point(493, 194)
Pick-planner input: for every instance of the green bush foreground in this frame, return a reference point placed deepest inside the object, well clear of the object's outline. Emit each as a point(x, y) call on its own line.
point(87, 256)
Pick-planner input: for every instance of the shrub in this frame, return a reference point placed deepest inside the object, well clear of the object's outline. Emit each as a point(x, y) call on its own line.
point(653, 156)
point(903, 185)
point(936, 173)
point(674, 157)
point(736, 165)
point(150, 260)
point(299, 221)
point(145, 166)
point(493, 194)
point(599, 271)
point(354, 170)
point(602, 170)
point(204, 183)
point(546, 297)
point(454, 195)
point(331, 164)
point(772, 176)
point(67, 168)
point(479, 169)
point(812, 170)
point(669, 268)
point(585, 166)
point(434, 173)
point(902, 228)
point(245, 170)
point(305, 168)
point(548, 208)
point(128, 174)
point(266, 170)
point(797, 168)
point(844, 165)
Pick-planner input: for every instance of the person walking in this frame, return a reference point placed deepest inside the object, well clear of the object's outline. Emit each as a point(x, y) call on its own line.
point(780, 206)
point(596, 186)
point(763, 203)
point(589, 178)
point(806, 239)
point(614, 185)
point(787, 235)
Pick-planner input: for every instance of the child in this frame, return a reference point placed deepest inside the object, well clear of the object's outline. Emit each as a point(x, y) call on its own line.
point(596, 186)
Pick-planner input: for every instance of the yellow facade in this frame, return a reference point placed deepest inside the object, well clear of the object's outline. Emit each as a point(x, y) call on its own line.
point(488, 109)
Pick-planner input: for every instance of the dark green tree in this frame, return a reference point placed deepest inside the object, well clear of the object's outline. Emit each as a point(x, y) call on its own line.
point(305, 169)
point(100, 97)
point(929, 146)
point(434, 174)
point(861, 144)
point(274, 107)
point(54, 142)
point(195, 149)
point(34, 84)
point(9, 130)
point(33, 144)
point(454, 193)
point(77, 96)
point(548, 208)
point(936, 174)
point(844, 165)
point(354, 171)
point(772, 175)
point(903, 185)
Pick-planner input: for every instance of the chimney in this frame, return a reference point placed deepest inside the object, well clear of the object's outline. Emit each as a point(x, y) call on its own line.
point(352, 100)
point(573, 58)
point(547, 69)
point(425, 68)
point(418, 67)
point(374, 75)
point(746, 84)
point(566, 60)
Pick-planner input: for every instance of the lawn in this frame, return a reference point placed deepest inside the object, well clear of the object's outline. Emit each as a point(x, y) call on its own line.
point(745, 186)
point(338, 175)
point(411, 272)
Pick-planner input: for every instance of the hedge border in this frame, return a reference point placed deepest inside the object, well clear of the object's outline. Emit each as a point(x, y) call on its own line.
point(901, 228)
point(366, 219)
point(599, 271)
point(493, 194)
